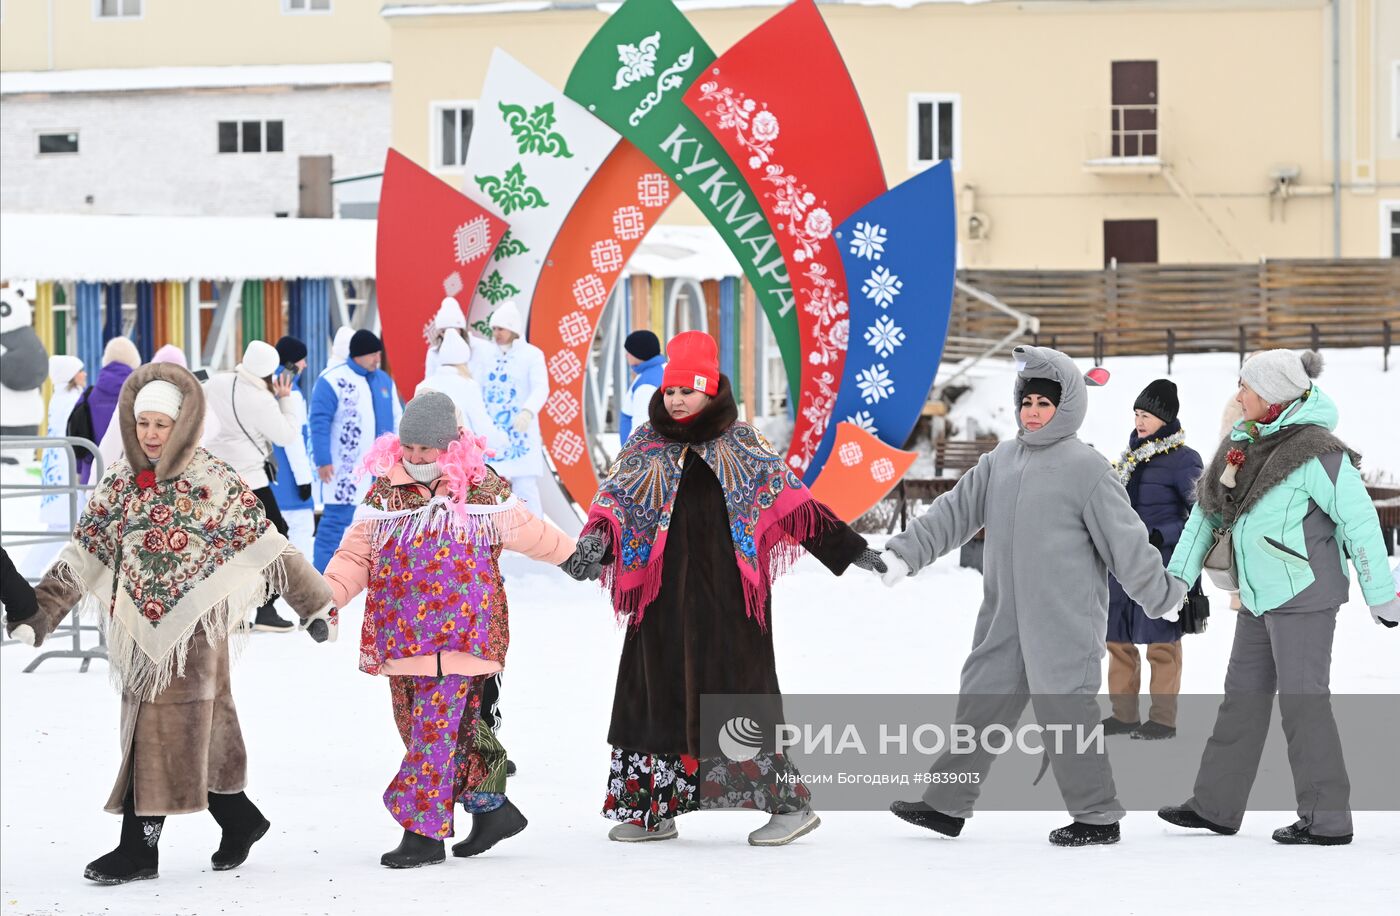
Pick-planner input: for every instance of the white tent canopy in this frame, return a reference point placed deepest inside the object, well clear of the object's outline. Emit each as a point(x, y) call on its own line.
point(68, 247)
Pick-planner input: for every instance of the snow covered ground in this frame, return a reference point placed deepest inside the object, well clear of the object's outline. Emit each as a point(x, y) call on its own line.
point(1365, 397)
point(322, 746)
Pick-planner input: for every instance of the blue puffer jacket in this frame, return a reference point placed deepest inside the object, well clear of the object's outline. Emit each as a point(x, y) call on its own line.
point(1162, 490)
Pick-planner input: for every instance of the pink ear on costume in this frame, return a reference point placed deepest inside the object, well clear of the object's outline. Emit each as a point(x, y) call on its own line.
point(1097, 377)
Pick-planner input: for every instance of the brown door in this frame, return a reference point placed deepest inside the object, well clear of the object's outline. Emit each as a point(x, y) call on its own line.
point(1134, 113)
point(1129, 241)
point(314, 183)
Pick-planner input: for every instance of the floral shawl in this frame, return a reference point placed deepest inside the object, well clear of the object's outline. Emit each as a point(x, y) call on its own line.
point(161, 559)
point(770, 512)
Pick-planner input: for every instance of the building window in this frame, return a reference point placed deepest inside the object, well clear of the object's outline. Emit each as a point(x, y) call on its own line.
point(451, 133)
point(58, 142)
point(935, 130)
point(117, 9)
point(250, 136)
point(306, 6)
point(1390, 228)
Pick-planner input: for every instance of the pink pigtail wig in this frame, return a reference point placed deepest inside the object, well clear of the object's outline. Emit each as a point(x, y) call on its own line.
point(382, 456)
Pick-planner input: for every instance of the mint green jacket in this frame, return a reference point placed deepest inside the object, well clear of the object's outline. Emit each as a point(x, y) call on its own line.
point(1291, 547)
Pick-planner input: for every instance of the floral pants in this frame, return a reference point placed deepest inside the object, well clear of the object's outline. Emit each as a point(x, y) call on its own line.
point(450, 754)
point(646, 789)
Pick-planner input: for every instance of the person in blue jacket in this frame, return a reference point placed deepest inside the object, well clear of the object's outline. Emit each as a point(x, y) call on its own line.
point(351, 406)
point(1160, 472)
point(644, 357)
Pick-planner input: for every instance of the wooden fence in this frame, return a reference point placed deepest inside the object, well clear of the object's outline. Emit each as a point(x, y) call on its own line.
point(1141, 309)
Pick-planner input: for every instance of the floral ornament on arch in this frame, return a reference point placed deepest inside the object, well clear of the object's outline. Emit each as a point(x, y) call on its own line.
point(511, 192)
point(494, 289)
point(534, 132)
point(638, 61)
point(509, 247)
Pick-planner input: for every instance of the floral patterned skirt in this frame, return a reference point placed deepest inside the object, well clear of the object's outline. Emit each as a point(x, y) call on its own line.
point(645, 789)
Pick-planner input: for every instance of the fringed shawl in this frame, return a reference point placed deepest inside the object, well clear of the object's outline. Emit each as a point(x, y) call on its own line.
point(770, 512)
point(395, 508)
point(162, 559)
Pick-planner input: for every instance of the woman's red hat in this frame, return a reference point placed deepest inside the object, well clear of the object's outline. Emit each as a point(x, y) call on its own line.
point(692, 361)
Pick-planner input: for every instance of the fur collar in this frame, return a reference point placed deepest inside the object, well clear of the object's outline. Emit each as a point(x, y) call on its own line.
point(708, 425)
point(189, 426)
point(1268, 462)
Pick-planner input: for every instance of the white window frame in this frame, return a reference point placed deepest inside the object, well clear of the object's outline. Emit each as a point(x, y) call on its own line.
point(57, 130)
point(435, 109)
point(1387, 208)
point(120, 17)
point(917, 98)
point(287, 9)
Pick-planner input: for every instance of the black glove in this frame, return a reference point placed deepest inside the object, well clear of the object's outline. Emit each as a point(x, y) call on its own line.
point(1155, 538)
point(304, 491)
point(586, 563)
point(870, 559)
point(318, 630)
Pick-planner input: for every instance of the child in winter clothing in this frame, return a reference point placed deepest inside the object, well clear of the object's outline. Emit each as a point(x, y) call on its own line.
point(1291, 496)
point(425, 542)
point(1159, 471)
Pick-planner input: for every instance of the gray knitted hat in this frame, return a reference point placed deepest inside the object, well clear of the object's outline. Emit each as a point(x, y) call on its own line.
point(429, 419)
point(1281, 376)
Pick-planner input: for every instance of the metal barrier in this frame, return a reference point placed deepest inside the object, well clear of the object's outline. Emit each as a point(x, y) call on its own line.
point(74, 491)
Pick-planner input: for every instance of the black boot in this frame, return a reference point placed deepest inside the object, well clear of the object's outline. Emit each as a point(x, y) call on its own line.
point(1116, 726)
point(269, 621)
point(490, 828)
point(1153, 731)
point(1294, 835)
point(136, 858)
point(1183, 816)
point(1078, 834)
point(922, 815)
point(413, 851)
point(243, 825)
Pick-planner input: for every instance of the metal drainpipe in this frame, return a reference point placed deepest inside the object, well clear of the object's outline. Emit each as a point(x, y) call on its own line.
point(1336, 129)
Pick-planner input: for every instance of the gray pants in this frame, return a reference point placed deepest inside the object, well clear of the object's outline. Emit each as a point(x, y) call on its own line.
point(1289, 653)
point(1061, 682)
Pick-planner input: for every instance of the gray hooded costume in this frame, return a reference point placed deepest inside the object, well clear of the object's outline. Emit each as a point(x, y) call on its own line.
point(1057, 522)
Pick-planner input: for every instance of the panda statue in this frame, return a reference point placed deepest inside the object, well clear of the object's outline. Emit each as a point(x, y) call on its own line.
point(24, 365)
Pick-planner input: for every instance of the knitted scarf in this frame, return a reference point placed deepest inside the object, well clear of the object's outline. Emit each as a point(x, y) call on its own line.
point(164, 558)
point(1268, 462)
point(770, 512)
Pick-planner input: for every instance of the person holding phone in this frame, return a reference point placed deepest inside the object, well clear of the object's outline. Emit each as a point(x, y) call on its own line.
point(256, 412)
point(292, 486)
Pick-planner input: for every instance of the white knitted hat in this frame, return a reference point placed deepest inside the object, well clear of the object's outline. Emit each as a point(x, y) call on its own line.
point(508, 317)
point(449, 315)
point(261, 358)
point(158, 396)
point(1281, 376)
point(454, 350)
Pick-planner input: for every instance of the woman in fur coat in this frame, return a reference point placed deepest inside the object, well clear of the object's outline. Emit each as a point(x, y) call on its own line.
point(700, 515)
point(425, 543)
point(171, 553)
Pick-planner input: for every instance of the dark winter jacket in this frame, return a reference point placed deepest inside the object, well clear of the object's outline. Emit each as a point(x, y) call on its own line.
point(1162, 491)
point(695, 637)
point(15, 591)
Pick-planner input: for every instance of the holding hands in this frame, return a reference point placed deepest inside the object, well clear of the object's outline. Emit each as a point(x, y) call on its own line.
point(588, 558)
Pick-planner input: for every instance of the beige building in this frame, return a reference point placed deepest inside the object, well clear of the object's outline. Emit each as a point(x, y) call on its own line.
point(1179, 131)
point(100, 34)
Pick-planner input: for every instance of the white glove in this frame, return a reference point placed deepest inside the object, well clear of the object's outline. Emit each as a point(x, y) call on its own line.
point(1172, 616)
point(522, 421)
point(1387, 615)
point(24, 633)
point(895, 568)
